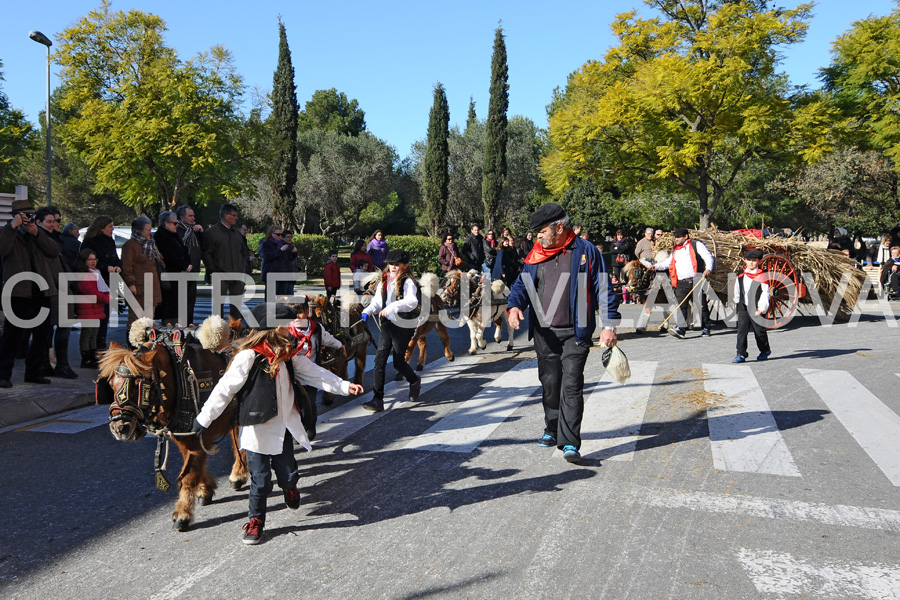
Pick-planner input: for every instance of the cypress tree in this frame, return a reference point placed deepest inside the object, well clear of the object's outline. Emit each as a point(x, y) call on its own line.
point(284, 126)
point(437, 161)
point(472, 118)
point(494, 171)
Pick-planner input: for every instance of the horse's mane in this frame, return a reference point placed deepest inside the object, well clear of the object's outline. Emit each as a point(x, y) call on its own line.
point(117, 355)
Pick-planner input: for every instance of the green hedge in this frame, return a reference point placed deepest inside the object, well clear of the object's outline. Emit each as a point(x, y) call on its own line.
point(423, 252)
point(312, 252)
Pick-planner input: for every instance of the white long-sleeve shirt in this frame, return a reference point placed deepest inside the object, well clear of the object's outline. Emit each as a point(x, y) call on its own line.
point(268, 437)
point(763, 305)
point(684, 269)
point(408, 302)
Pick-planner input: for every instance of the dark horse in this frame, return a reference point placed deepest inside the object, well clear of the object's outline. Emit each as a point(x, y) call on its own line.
point(147, 389)
point(354, 336)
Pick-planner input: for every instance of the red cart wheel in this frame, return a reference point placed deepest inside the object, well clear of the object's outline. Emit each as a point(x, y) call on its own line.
point(784, 289)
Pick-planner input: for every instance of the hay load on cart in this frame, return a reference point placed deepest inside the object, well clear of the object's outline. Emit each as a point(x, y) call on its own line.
point(794, 264)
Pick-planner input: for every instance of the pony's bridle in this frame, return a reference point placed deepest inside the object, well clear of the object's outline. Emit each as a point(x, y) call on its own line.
point(135, 405)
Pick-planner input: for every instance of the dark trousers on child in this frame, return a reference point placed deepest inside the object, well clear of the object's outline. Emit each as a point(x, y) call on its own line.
point(261, 467)
point(393, 340)
point(561, 372)
point(745, 322)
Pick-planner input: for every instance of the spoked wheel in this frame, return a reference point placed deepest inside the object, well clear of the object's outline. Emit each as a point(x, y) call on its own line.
point(784, 289)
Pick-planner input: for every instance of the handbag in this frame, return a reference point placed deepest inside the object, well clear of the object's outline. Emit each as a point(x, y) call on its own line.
point(620, 259)
point(457, 261)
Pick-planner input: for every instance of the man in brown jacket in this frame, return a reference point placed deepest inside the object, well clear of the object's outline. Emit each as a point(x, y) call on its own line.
point(24, 250)
point(226, 253)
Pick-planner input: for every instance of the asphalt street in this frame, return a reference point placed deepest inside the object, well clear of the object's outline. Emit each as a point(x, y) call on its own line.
point(701, 479)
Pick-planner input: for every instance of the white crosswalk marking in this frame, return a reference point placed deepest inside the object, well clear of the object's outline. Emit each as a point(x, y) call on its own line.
point(613, 414)
point(872, 424)
point(466, 427)
point(781, 573)
point(742, 430)
point(335, 425)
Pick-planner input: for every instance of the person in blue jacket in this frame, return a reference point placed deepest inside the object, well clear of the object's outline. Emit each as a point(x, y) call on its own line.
point(563, 281)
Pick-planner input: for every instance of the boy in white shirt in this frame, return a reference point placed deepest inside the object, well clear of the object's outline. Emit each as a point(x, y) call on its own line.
point(752, 290)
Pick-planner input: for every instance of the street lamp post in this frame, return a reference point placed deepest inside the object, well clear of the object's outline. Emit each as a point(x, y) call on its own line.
point(40, 38)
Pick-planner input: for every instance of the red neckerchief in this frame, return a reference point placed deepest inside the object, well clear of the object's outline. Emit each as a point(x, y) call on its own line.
point(266, 350)
point(539, 254)
point(303, 338)
point(687, 242)
point(756, 275)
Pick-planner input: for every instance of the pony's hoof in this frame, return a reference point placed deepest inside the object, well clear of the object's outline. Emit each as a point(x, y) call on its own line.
point(237, 485)
point(181, 524)
point(482, 345)
point(509, 348)
point(420, 368)
point(473, 352)
point(450, 358)
point(204, 500)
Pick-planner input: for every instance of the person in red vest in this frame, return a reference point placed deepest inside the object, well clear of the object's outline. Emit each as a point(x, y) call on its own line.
point(689, 257)
point(752, 289)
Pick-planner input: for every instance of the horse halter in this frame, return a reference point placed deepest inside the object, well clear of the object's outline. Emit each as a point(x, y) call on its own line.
point(134, 406)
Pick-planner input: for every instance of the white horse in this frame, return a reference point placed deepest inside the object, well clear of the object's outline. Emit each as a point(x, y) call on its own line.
point(478, 319)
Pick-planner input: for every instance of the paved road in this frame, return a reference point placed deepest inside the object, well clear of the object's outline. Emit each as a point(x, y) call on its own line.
point(701, 479)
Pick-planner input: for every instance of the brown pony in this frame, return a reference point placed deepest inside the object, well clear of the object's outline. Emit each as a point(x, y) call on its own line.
point(470, 289)
point(638, 279)
point(431, 289)
point(143, 387)
point(354, 336)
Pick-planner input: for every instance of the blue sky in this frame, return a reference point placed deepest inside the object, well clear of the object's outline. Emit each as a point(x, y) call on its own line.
point(388, 54)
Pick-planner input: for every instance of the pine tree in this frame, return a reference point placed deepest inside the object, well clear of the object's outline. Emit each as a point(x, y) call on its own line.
point(437, 161)
point(472, 118)
point(494, 171)
point(284, 126)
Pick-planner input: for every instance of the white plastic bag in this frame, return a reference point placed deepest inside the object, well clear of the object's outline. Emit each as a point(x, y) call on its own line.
point(616, 363)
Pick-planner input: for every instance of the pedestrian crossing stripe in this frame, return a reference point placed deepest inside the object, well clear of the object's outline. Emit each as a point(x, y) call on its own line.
point(614, 413)
point(465, 428)
point(874, 426)
point(742, 430)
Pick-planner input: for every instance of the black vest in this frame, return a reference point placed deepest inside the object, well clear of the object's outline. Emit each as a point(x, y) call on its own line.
point(258, 400)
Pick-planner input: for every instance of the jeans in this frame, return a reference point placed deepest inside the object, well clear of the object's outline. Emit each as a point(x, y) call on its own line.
point(261, 467)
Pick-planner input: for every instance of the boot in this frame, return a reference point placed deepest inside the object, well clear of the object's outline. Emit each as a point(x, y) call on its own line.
point(87, 360)
point(62, 365)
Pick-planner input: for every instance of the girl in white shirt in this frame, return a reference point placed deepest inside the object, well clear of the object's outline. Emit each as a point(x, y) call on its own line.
point(395, 303)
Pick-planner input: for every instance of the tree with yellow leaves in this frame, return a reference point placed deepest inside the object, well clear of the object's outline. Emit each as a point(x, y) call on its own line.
point(692, 97)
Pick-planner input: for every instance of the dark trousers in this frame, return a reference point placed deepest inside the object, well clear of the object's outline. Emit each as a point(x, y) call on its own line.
point(104, 323)
point(236, 289)
point(681, 292)
point(14, 336)
point(261, 467)
point(58, 338)
point(191, 300)
point(745, 322)
point(394, 339)
point(561, 372)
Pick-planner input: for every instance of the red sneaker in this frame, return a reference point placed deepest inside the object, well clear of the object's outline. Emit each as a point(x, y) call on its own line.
point(292, 498)
point(253, 530)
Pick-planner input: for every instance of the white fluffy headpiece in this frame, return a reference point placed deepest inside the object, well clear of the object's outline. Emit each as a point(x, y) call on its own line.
point(430, 285)
point(137, 335)
point(213, 333)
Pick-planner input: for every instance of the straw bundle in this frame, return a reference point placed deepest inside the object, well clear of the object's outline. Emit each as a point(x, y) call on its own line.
point(827, 267)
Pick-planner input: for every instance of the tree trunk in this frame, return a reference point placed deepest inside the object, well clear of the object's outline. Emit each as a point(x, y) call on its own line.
point(703, 195)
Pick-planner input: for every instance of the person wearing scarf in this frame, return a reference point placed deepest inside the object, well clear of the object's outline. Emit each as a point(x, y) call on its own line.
point(689, 257)
point(752, 288)
point(563, 282)
point(311, 337)
point(266, 375)
point(394, 305)
point(141, 265)
point(378, 249)
point(92, 287)
point(191, 235)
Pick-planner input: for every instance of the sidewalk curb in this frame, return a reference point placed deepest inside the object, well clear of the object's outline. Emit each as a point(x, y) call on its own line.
point(32, 409)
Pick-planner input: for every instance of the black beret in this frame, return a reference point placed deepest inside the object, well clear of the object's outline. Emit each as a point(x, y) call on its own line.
point(753, 254)
point(397, 256)
point(680, 232)
point(261, 312)
point(548, 213)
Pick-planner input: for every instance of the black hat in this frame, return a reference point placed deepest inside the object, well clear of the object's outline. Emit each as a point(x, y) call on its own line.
point(753, 254)
point(397, 256)
point(548, 213)
point(680, 232)
point(262, 314)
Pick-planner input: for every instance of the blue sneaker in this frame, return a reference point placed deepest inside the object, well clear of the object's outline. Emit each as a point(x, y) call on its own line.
point(764, 355)
point(571, 454)
point(547, 441)
point(738, 359)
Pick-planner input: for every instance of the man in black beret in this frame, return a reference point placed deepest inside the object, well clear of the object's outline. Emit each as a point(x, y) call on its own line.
point(752, 290)
point(689, 257)
point(559, 264)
